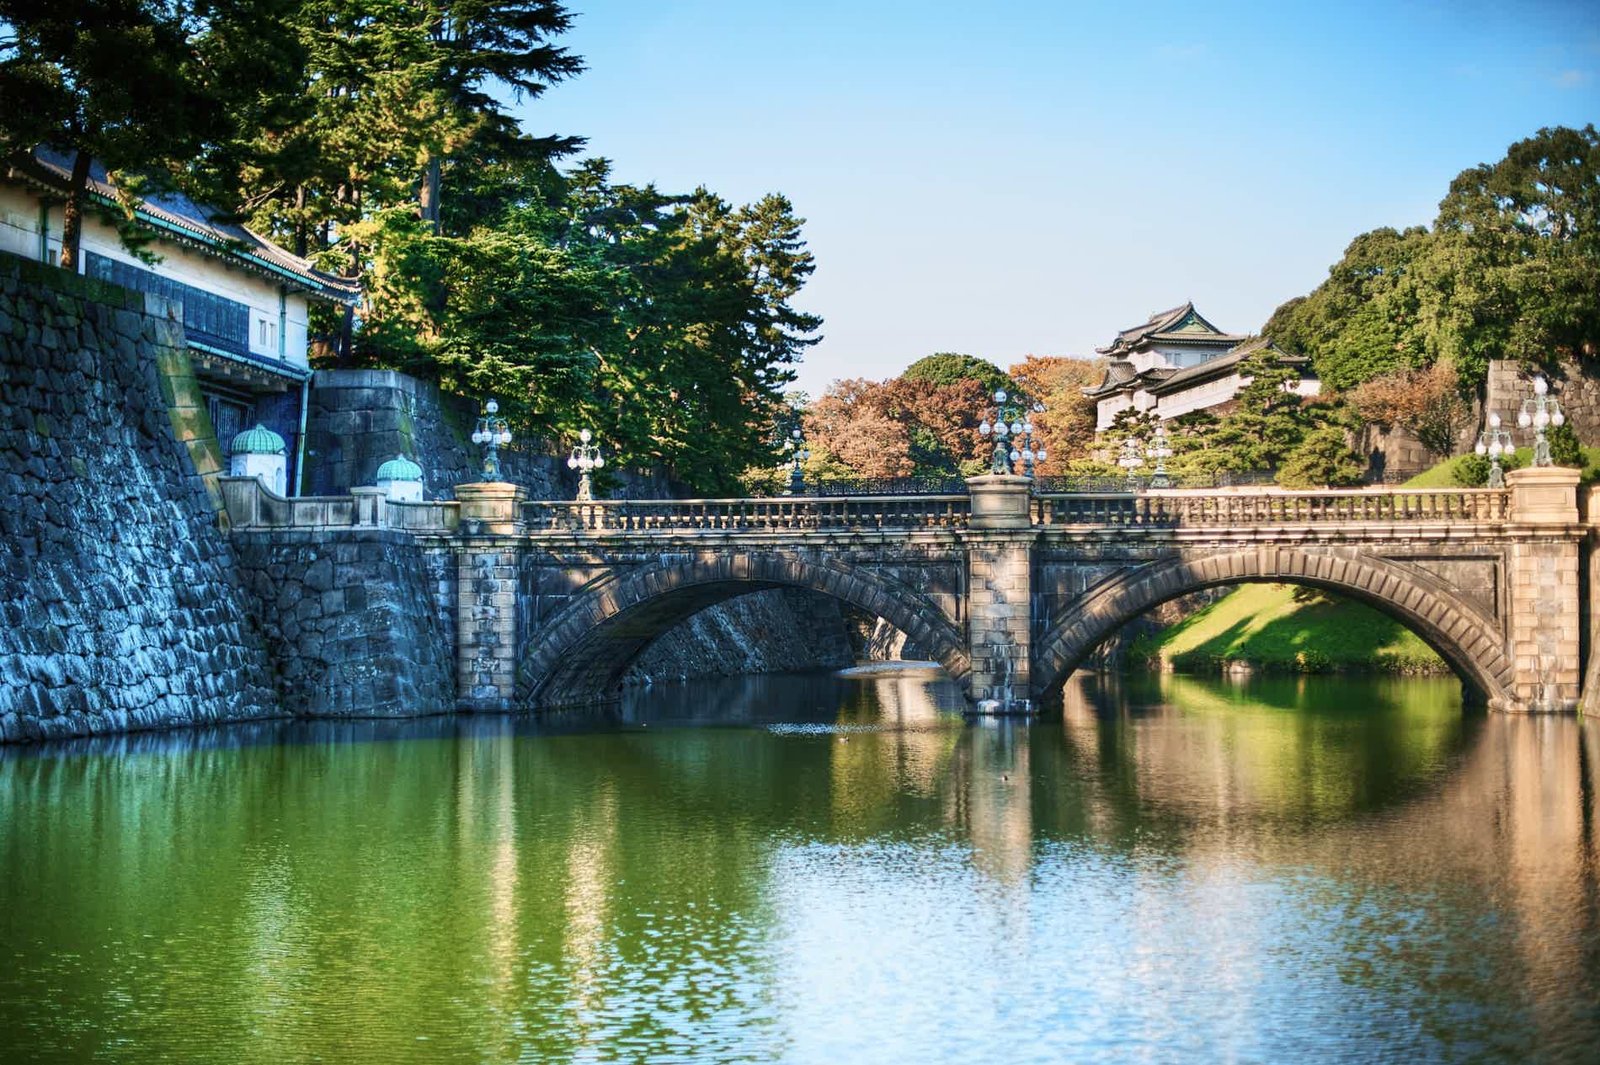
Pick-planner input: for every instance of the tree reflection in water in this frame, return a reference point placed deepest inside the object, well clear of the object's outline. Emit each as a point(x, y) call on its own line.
point(817, 868)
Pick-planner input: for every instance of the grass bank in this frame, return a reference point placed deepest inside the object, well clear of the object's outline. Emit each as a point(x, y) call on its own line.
point(1443, 475)
point(1279, 628)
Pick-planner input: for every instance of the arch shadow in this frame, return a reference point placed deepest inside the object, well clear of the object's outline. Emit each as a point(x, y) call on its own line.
point(1472, 644)
point(581, 654)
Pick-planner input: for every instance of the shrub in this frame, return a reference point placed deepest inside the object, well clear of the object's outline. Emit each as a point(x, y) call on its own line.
point(1565, 450)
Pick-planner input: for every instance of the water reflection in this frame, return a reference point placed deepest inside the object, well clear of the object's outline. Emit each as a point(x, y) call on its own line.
point(817, 869)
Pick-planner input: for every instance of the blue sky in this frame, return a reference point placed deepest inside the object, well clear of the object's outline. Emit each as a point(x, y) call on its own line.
point(1030, 177)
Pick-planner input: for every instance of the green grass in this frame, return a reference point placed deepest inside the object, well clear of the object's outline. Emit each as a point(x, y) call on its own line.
point(1443, 474)
point(1265, 626)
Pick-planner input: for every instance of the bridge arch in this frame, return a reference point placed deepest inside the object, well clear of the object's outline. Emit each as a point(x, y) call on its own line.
point(582, 652)
point(1471, 643)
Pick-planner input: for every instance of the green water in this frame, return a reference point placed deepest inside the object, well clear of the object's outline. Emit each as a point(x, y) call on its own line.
point(818, 870)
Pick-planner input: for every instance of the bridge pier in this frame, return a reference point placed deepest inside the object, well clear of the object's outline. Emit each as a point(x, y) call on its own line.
point(487, 553)
point(999, 544)
point(1545, 593)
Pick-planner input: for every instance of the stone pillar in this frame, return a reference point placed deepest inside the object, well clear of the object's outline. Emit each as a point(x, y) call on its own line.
point(490, 546)
point(1546, 537)
point(1000, 593)
point(369, 506)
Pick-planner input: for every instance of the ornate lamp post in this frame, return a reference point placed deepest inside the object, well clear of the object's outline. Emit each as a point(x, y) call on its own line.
point(1013, 435)
point(1541, 411)
point(585, 458)
point(798, 454)
point(1495, 442)
point(492, 434)
point(1159, 452)
point(1131, 460)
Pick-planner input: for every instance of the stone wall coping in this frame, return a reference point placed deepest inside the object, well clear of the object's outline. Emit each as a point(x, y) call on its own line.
point(250, 504)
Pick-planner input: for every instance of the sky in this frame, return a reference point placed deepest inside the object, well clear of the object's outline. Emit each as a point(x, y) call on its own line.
point(1029, 177)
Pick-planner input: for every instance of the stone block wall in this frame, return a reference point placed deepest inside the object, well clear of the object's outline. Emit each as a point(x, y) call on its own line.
point(119, 604)
point(360, 419)
point(1573, 384)
point(999, 619)
point(780, 630)
point(346, 617)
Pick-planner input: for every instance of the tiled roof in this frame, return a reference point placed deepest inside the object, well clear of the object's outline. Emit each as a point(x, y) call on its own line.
point(175, 215)
point(1221, 365)
point(1159, 329)
point(1120, 376)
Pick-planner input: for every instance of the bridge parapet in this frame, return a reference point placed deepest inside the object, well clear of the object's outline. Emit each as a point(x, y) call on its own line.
point(781, 514)
point(1201, 508)
point(251, 505)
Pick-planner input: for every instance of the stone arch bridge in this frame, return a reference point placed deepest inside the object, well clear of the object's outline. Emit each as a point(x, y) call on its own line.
point(493, 602)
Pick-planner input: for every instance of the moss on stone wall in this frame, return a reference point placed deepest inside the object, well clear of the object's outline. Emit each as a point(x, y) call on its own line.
point(120, 607)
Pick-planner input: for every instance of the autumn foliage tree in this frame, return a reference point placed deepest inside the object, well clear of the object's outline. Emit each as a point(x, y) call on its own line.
point(1426, 403)
point(1067, 424)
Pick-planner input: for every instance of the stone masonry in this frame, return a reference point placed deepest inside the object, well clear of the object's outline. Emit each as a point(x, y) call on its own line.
point(341, 619)
point(120, 606)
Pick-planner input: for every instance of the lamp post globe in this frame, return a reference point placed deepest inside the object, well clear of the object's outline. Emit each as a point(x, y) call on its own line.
point(585, 457)
point(492, 433)
point(1495, 443)
point(1013, 434)
point(1159, 452)
point(1541, 412)
point(799, 454)
point(1132, 459)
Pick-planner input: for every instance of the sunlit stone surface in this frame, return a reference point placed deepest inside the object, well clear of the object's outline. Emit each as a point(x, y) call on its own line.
point(818, 869)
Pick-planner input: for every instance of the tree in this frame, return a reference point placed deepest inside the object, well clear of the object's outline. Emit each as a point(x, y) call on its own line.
point(852, 423)
point(1426, 403)
point(141, 86)
point(948, 367)
point(1323, 459)
point(1510, 270)
point(1517, 265)
point(1363, 320)
point(479, 43)
point(1067, 425)
point(1268, 420)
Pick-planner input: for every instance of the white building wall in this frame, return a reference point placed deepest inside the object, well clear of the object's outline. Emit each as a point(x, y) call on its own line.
point(1209, 394)
point(1106, 409)
point(270, 334)
point(1219, 391)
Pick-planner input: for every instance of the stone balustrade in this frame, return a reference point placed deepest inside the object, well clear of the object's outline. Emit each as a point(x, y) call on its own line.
point(787, 514)
point(249, 504)
point(1199, 508)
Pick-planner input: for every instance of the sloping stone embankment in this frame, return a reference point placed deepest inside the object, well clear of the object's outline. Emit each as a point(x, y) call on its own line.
point(119, 604)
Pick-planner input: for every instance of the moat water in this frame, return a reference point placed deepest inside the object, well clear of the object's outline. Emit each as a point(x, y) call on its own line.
point(818, 869)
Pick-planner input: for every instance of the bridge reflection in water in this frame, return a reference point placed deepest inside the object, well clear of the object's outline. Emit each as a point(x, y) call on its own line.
point(819, 869)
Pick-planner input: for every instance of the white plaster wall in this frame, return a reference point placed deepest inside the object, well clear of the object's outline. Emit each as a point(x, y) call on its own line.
point(270, 469)
point(1219, 391)
point(1107, 409)
point(19, 234)
point(1207, 394)
point(19, 222)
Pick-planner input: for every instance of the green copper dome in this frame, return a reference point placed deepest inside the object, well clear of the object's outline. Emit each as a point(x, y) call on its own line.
point(258, 441)
point(399, 468)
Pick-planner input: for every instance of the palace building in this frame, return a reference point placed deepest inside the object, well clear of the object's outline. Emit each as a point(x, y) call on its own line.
point(245, 301)
point(1178, 362)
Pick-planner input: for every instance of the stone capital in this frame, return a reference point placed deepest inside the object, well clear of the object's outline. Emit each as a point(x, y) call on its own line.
point(1000, 501)
point(494, 507)
point(1544, 495)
